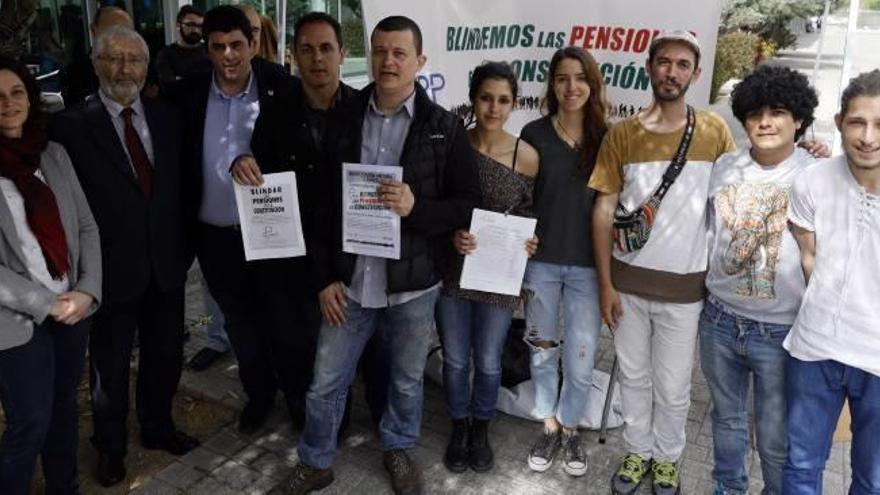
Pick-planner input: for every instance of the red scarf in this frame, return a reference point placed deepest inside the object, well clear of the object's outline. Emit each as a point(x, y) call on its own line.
point(19, 160)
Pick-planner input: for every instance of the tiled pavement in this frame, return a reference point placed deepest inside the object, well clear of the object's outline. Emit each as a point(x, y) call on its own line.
point(230, 463)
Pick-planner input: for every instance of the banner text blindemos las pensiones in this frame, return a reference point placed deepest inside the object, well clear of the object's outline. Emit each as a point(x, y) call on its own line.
point(461, 34)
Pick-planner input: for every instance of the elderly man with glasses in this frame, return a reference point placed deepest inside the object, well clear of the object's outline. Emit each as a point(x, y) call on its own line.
point(126, 151)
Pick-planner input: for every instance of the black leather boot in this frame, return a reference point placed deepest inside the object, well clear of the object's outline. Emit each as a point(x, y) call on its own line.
point(481, 458)
point(456, 458)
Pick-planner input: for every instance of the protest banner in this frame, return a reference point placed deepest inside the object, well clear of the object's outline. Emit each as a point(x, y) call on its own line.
point(461, 34)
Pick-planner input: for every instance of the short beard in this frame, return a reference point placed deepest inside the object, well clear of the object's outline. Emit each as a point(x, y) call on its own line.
point(658, 95)
point(122, 93)
point(191, 39)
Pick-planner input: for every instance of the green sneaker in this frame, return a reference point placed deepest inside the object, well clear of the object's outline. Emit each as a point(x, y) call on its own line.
point(665, 475)
point(632, 470)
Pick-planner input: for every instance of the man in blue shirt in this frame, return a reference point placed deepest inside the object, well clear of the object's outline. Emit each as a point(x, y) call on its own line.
point(222, 110)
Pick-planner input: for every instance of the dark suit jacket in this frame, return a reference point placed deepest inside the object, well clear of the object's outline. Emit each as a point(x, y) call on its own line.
point(283, 141)
point(140, 240)
point(191, 97)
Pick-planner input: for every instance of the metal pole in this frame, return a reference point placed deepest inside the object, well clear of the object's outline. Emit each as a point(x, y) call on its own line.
point(819, 49)
point(612, 379)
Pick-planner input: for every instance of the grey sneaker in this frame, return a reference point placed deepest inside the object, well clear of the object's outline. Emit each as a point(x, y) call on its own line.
point(574, 459)
point(545, 449)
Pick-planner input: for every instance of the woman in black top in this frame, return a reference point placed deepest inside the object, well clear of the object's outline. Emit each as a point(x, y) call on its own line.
point(475, 323)
point(567, 139)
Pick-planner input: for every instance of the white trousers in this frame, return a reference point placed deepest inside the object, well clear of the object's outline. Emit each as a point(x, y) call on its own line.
point(656, 344)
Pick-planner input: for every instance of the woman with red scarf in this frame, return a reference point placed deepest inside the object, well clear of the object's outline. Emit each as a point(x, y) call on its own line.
point(50, 282)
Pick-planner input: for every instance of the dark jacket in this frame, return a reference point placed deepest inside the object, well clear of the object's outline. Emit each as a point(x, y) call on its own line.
point(140, 240)
point(191, 96)
point(283, 141)
point(440, 168)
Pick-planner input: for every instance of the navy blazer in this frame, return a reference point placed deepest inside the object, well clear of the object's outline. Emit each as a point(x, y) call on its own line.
point(274, 86)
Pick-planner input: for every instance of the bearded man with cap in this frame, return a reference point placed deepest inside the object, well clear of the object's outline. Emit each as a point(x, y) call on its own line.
point(651, 278)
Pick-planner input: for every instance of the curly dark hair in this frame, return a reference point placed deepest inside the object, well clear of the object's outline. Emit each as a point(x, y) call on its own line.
point(775, 87)
point(36, 116)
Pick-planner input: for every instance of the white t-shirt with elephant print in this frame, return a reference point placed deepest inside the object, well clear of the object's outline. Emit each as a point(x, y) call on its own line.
point(754, 262)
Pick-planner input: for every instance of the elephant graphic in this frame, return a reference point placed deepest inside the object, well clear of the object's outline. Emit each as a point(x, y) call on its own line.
point(755, 216)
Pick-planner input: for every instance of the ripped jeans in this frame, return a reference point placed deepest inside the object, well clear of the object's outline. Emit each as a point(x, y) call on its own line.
point(547, 285)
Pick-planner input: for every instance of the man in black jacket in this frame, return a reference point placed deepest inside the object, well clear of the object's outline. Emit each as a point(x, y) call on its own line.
point(290, 137)
point(391, 122)
point(223, 111)
point(126, 152)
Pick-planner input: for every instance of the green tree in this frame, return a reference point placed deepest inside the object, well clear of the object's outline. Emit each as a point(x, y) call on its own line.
point(768, 18)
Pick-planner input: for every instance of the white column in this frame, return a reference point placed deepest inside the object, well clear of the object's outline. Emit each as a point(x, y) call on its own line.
point(851, 29)
point(169, 14)
point(281, 25)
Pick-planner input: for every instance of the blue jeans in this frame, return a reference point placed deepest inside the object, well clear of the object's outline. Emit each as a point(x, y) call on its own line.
point(815, 394)
point(732, 347)
point(214, 332)
point(576, 287)
point(468, 327)
point(38, 391)
point(407, 329)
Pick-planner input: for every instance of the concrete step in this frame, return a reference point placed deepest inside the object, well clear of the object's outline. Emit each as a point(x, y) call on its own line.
point(806, 63)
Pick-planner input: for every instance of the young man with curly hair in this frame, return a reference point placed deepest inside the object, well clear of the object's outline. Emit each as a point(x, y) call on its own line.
point(754, 282)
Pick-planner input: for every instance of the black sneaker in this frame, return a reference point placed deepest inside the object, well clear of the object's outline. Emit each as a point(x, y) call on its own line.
point(542, 453)
point(574, 459)
point(456, 457)
point(406, 477)
point(304, 479)
point(481, 458)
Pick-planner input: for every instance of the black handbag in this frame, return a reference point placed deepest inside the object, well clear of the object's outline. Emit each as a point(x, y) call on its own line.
point(633, 228)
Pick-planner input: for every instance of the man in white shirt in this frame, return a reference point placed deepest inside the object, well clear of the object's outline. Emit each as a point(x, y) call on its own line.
point(835, 342)
point(755, 281)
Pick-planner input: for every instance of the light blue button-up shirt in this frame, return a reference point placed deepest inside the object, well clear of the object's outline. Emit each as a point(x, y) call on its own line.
point(229, 124)
point(383, 137)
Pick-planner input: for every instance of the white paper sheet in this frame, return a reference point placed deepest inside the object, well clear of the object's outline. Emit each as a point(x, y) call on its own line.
point(270, 220)
point(498, 264)
point(368, 227)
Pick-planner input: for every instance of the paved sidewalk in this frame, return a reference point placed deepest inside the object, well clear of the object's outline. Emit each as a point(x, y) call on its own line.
point(230, 463)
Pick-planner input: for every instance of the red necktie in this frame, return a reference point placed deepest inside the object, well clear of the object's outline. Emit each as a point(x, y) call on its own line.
point(138, 154)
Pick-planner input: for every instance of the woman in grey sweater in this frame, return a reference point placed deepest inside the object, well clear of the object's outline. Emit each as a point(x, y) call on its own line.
point(50, 282)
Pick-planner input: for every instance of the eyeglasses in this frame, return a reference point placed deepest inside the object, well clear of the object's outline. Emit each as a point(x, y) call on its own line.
point(192, 25)
point(119, 60)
